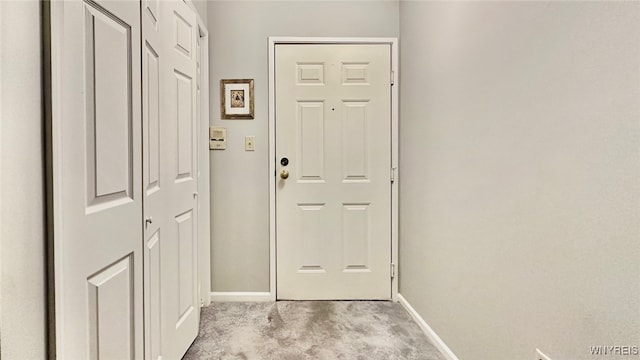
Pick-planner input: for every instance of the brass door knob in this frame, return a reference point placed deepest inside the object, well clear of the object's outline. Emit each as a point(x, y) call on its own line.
point(284, 174)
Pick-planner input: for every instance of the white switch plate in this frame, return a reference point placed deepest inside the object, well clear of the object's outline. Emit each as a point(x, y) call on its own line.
point(217, 138)
point(249, 143)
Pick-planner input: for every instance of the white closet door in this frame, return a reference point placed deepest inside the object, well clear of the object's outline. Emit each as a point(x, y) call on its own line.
point(154, 174)
point(180, 261)
point(96, 179)
point(170, 177)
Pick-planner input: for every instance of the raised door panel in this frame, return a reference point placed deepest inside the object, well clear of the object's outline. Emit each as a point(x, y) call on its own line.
point(151, 115)
point(153, 281)
point(110, 304)
point(311, 142)
point(355, 73)
point(183, 35)
point(356, 235)
point(186, 248)
point(108, 110)
point(311, 239)
point(185, 118)
point(355, 141)
point(310, 73)
point(151, 7)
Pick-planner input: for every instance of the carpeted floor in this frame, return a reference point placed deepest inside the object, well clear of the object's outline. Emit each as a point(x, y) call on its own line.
point(296, 330)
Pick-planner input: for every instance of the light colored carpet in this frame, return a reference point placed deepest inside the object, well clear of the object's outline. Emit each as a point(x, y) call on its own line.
point(296, 330)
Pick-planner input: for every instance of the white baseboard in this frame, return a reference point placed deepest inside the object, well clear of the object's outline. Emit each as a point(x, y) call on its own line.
point(435, 339)
point(242, 296)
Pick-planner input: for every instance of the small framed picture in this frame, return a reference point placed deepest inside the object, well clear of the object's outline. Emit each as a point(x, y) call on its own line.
point(236, 98)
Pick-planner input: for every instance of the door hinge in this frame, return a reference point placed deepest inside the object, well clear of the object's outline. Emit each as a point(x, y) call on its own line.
point(393, 270)
point(393, 175)
point(393, 77)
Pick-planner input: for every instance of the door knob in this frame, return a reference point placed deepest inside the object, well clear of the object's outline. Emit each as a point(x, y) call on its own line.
point(284, 174)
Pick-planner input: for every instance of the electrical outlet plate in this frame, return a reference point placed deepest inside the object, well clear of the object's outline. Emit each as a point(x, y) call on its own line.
point(541, 356)
point(249, 143)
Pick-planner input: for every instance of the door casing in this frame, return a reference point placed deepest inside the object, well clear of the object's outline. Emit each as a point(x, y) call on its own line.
point(393, 77)
point(204, 226)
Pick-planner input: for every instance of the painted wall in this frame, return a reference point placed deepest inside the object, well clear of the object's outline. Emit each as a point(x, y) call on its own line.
point(239, 179)
point(22, 213)
point(520, 176)
point(201, 9)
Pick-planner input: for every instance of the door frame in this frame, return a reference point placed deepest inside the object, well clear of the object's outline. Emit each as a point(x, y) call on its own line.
point(394, 76)
point(204, 183)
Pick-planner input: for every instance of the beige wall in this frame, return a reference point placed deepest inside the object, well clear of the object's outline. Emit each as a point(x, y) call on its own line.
point(520, 176)
point(22, 232)
point(201, 9)
point(239, 180)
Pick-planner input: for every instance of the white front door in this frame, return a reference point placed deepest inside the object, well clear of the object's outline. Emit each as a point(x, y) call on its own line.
point(97, 197)
point(333, 137)
point(170, 178)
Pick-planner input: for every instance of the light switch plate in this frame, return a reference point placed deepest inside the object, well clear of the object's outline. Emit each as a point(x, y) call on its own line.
point(217, 138)
point(249, 143)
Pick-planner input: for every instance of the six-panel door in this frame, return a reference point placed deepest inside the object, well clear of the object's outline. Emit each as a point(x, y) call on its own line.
point(170, 180)
point(97, 177)
point(333, 124)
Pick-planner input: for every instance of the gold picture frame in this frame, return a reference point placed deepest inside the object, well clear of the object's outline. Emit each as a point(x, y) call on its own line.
point(236, 99)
